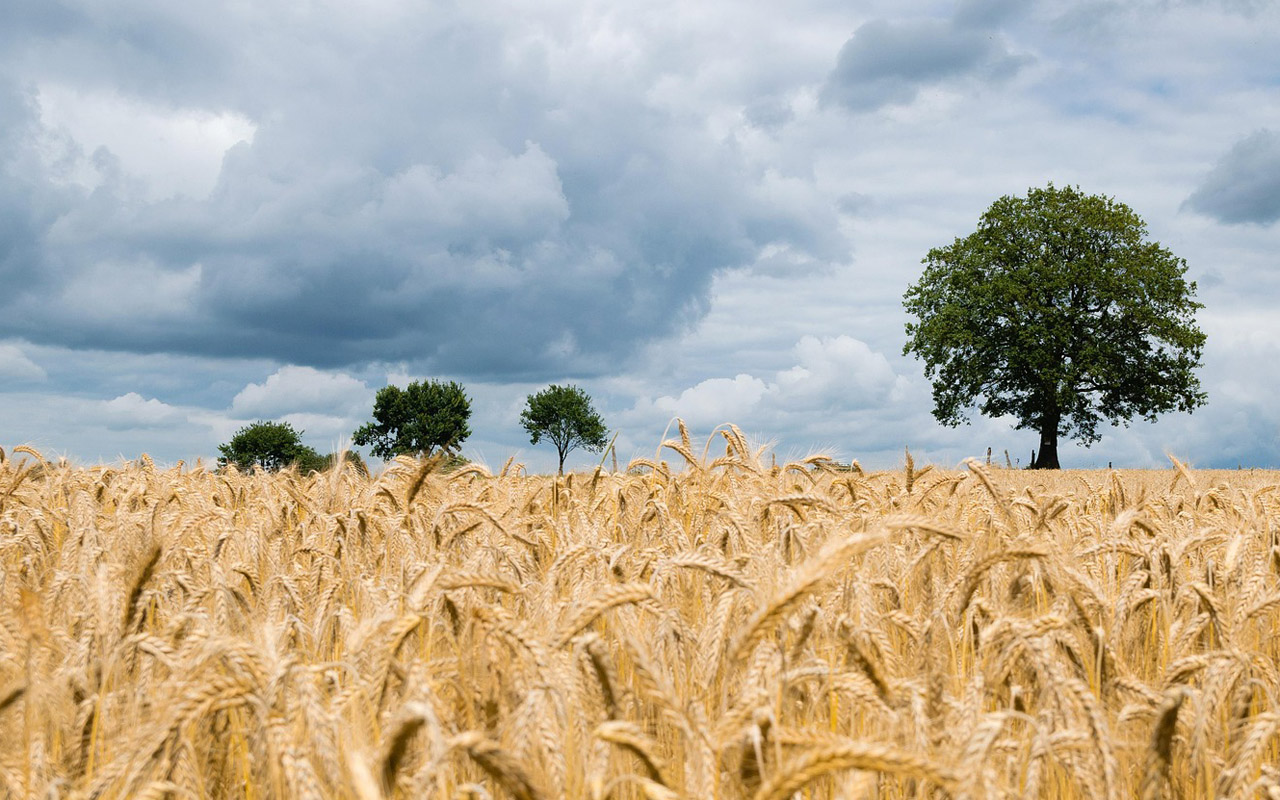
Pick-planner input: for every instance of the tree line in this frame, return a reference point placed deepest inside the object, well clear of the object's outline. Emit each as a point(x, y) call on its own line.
point(1057, 313)
point(426, 418)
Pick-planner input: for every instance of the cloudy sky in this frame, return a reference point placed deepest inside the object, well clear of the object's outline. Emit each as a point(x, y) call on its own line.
point(213, 213)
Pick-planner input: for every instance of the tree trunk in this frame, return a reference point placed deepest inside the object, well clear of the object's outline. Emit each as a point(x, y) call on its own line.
point(1047, 458)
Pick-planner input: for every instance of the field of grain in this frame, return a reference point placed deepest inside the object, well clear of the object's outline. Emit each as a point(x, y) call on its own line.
point(709, 625)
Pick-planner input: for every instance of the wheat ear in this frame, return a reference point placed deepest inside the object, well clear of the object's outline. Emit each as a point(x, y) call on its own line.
point(498, 764)
point(630, 737)
point(397, 746)
point(610, 598)
point(139, 583)
point(819, 761)
point(1160, 751)
point(830, 559)
point(12, 697)
point(606, 675)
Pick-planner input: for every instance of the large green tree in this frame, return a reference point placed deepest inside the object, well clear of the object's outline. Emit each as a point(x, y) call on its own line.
point(1058, 312)
point(564, 415)
point(418, 420)
point(270, 445)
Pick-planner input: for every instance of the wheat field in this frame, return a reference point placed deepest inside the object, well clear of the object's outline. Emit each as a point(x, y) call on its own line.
point(701, 625)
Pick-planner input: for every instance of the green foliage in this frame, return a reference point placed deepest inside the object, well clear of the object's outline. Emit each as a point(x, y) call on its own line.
point(311, 461)
point(454, 461)
point(418, 420)
point(270, 445)
point(1057, 312)
point(326, 463)
point(564, 415)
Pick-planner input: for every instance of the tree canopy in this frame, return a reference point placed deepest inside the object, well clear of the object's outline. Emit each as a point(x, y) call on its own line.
point(1058, 312)
point(270, 445)
point(418, 420)
point(564, 415)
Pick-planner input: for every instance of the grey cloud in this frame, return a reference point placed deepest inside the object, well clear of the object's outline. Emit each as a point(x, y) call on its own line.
point(887, 63)
point(1090, 20)
point(36, 19)
point(426, 192)
point(988, 13)
point(1245, 7)
point(769, 113)
point(855, 203)
point(166, 51)
point(29, 204)
point(1244, 186)
point(1211, 279)
point(174, 379)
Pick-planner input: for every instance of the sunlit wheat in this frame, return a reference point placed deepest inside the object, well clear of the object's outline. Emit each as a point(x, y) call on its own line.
point(711, 627)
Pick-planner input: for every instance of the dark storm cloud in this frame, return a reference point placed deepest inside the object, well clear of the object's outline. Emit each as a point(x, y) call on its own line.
point(432, 191)
point(28, 205)
point(1244, 186)
point(887, 62)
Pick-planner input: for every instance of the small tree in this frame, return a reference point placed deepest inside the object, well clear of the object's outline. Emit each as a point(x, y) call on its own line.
point(564, 415)
point(327, 462)
point(270, 445)
point(311, 461)
point(1059, 313)
point(418, 420)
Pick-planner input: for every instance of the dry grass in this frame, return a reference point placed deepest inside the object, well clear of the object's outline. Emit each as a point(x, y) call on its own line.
point(705, 628)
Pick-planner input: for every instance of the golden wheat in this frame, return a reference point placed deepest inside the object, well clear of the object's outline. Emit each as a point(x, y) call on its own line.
point(719, 628)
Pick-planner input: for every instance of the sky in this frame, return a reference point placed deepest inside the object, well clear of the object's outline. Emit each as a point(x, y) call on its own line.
point(216, 213)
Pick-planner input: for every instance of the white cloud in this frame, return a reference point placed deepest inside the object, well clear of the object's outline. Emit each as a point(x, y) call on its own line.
point(133, 411)
point(171, 150)
point(326, 432)
point(295, 390)
point(16, 366)
point(715, 400)
point(836, 372)
point(96, 431)
point(834, 376)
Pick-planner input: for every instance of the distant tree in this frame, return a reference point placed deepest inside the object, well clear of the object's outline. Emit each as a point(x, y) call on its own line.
point(564, 415)
point(270, 445)
point(312, 461)
point(349, 457)
point(418, 420)
point(1058, 312)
